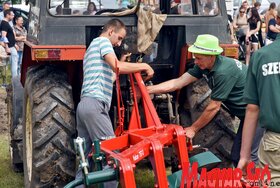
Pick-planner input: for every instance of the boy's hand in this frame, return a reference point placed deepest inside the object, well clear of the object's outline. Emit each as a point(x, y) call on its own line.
point(8, 51)
point(150, 72)
point(125, 57)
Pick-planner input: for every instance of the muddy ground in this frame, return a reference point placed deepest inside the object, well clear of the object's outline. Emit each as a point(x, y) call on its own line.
point(3, 111)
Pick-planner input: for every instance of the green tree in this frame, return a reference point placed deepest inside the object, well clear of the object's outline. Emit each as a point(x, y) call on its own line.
point(12, 1)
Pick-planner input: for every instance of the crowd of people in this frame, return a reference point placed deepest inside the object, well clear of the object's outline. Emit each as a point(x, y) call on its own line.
point(13, 35)
point(247, 27)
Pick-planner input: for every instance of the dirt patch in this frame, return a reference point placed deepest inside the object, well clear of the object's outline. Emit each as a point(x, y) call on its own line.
point(3, 111)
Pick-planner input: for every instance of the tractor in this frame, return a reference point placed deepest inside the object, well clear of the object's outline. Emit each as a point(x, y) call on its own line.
point(42, 101)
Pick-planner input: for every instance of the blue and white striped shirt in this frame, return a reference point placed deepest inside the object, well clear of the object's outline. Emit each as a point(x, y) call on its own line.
point(98, 75)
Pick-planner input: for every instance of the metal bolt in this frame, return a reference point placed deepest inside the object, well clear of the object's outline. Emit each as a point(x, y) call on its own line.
point(179, 166)
point(151, 148)
point(156, 185)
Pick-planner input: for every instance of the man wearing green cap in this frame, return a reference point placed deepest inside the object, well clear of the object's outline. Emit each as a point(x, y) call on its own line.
point(225, 76)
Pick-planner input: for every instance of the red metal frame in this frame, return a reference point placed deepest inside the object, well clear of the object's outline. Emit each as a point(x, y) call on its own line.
point(69, 55)
point(137, 143)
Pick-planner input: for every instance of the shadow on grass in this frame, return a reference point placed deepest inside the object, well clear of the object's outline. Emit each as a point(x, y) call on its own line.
point(8, 178)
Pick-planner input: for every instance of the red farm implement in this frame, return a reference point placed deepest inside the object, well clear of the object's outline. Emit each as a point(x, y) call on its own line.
point(137, 143)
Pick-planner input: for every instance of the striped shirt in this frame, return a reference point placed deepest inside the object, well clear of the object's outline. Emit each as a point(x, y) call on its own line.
point(98, 75)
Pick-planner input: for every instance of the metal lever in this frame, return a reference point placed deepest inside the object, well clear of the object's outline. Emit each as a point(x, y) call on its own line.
point(83, 162)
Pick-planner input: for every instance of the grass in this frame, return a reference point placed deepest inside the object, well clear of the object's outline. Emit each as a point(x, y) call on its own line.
point(5, 79)
point(8, 178)
point(144, 176)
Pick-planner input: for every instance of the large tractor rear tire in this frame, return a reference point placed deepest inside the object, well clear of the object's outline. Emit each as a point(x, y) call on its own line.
point(48, 128)
point(219, 134)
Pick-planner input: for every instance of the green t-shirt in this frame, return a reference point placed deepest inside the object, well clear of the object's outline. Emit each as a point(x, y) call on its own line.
point(226, 80)
point(263, 85)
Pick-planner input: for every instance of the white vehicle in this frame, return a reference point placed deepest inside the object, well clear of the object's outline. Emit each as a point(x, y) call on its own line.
point(22, 6)
point(81, 5)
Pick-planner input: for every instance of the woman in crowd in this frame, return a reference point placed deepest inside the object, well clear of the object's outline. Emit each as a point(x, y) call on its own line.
point(252, 41)
point(91, 9)
point(240, 24)
point(272, 29)
point(20, 36)
point(271, 13)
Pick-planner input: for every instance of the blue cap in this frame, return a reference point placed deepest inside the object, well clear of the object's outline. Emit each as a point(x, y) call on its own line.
point(4, 39)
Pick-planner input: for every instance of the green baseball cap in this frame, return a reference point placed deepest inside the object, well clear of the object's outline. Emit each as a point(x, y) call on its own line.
point(206, 44)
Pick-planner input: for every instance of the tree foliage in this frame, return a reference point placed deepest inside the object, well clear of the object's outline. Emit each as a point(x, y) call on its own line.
point(12, 1)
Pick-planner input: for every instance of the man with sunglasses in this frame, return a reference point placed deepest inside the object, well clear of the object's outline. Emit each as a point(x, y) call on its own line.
point(262, 95)
point(8, 37)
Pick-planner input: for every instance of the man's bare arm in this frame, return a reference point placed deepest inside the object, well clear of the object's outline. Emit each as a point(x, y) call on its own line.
point(126, 67)
point(4, 33)
point(249, 129)
point(172, 85)
point(208, 114)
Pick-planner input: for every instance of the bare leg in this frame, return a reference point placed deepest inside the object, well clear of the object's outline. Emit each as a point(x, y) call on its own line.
point(248, 53)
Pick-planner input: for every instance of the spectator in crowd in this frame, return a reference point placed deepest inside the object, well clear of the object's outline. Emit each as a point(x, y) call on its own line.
point(123, 3)
point(20, 33)
point(76, 12)
point(211, 8)
point(91, 9)
point(8, 36)
point(93, 121)
point(240, 24)
point(272, 32)
point(208, 9)
point(262, 96)
point(174, 7)
point(58, 10)
point(257, 5)
point(245, 4)
point(230, 26)
point(271, 13)
point(6, 5)
point(252, 41)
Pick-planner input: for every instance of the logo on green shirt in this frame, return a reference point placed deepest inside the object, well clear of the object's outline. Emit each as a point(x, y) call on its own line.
point(271, 68)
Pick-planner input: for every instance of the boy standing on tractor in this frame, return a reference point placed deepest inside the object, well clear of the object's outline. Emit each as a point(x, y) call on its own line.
point(100, 63)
